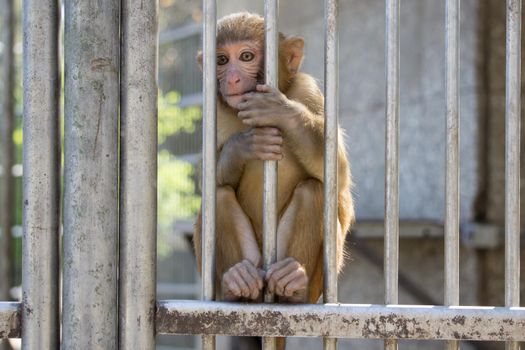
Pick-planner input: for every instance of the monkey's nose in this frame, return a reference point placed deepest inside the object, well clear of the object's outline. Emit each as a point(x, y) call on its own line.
point(234, 81)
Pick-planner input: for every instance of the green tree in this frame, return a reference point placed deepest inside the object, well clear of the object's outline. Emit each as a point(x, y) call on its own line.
point(177, 192)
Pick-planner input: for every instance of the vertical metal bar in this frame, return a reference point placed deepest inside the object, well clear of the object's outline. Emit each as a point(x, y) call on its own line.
point(391, 245)
point(271, 13)
point(92, 46)
point(512, 158)
point(452, 159)
point(209, 150)
point(41, 178)
point(331, 92)
point(138, 175)
point(7, 125)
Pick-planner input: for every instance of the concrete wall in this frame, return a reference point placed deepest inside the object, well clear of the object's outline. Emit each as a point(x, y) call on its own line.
point(362, 97)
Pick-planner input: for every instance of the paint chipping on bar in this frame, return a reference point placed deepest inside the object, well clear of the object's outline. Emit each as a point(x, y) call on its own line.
point(342, 320)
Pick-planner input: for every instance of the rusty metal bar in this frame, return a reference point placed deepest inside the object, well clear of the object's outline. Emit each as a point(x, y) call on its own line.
point(512, 158)
point(452, 159)
point(138, 191)
point(271, 14)
point(342, 320)
point(391, 245)
point(209, 157)
point(331, 92)
point(41, 177)
point(10, 320)
point(92, 47)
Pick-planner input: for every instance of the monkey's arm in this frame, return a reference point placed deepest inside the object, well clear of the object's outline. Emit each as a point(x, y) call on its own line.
point(230, 164)
point(305, 133)
point(300, 120)
point(262, 143)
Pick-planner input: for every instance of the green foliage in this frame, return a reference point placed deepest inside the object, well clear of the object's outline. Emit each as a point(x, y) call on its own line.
point(176, 191)
point(174, 119)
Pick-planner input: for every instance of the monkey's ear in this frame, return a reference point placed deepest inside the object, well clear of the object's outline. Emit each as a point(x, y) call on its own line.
point(293, 50)
point(199, 59)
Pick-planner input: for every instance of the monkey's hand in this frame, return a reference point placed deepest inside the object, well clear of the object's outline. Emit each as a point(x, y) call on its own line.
point(288, 279)
point(267, 106)
point(243, 280)
point(263, 143)
point(252, 144)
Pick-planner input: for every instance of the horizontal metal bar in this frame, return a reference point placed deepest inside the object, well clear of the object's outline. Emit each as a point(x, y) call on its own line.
point(342, 320)
point(10, 320)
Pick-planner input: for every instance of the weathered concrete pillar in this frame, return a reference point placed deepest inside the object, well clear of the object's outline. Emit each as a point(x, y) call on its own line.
point(40, 283)
point(91, 174)
point(138, 194)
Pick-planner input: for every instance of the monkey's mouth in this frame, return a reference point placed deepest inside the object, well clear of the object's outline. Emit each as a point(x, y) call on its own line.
point(234, 99)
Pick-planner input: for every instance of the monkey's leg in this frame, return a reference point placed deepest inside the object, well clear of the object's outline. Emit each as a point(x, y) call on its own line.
point(233, 225)
point(238, 254)
point(297, 275)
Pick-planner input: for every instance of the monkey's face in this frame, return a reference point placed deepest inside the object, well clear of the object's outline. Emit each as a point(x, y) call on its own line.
point(239, 67)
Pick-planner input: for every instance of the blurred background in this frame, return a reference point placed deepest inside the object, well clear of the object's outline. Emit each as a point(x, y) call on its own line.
point(362, 115)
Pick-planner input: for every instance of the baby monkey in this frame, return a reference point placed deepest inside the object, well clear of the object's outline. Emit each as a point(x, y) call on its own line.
point(256, 122)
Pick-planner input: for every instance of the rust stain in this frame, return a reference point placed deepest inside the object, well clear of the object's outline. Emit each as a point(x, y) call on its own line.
point(101, 64)
point(459, 320)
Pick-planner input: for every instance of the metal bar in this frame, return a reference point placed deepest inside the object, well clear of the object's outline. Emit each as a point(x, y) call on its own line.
point(209, 150)
point(271, 14)
point(452, 160)
point(10, 320)
point(41, 176)
point(512, 158)
point(92, 46)
point(391, 245)
point(138, 174)
point(7, 126)
point(342, 320)
point(331, 92)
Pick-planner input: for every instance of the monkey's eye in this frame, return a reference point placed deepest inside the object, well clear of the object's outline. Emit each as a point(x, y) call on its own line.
point(222, 60)
point(247, 56)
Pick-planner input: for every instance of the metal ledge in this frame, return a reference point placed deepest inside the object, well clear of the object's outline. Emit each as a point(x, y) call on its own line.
point(335, 320)
point(341, 320)
point(10, 320)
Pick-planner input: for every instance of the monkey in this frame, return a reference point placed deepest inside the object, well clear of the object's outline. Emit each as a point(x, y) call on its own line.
point(257, 122)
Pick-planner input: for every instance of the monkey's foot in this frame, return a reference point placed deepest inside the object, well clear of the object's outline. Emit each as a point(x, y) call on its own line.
point(288, 279)
point(242, 280)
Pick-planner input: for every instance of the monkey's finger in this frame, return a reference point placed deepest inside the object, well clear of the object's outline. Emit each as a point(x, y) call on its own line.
point(239, 280)
point(298, 283)
point(254, 119)
point(246, 103)
point(269, 156)
point(290, 267)
point(246, 114)
point(232, 286)
point(274, 140)
point(278, 265)
point(277, 275)
point(264, 88)
point(254, 273)
point(249, 279)
point(268, 149)
point(280, 284)
point(268, 130)
point(265, 140)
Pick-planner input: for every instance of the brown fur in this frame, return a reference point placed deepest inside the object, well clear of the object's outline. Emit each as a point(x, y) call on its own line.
point(300, 173)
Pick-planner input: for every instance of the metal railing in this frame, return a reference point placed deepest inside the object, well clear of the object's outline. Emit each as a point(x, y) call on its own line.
point(93, 93)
